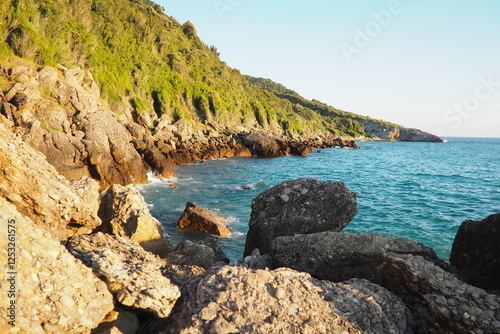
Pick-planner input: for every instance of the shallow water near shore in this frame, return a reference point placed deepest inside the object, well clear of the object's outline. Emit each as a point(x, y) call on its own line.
point(420, 191)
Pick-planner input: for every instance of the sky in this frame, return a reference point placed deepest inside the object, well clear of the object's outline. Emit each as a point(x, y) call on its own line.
point(431, 65)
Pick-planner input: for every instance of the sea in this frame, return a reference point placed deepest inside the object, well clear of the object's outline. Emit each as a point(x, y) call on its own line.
point(419, 191)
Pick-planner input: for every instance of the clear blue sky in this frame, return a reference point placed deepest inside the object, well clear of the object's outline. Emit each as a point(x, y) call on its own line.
point(433, 65)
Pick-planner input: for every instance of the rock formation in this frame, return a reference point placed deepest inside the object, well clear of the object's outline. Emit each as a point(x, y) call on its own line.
point(197, 218)
point(239, 300)
point(205, 254)
point(133, 275)
point(298, 207)
point(37, 190)
point(341, 256)
point(440, 303)
point(52, 291)
point(476, 252)
point(69, 125)
point(124, 213)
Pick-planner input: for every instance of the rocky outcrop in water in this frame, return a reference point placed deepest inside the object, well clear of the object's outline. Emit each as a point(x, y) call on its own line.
point(51, 291)
point(239, 300)
point(341, 256)
point(124, 213)
point(200, 219)
point(132, 274)
point(440, 302)
point(476, 252)
point(298, 207)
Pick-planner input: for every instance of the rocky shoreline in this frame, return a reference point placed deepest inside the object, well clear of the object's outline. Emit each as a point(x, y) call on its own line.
point(90, 262)
point(84, 254)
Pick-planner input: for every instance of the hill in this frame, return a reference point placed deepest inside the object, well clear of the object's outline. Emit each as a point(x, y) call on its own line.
point(144, 60)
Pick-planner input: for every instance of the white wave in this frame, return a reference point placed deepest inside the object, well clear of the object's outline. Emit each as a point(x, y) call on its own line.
point(155, 178)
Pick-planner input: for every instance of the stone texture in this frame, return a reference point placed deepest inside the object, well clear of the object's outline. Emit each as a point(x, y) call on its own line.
point(341, 256)
point(263, 144)
point(54, 291)
point(476, 252)
point(256, 261)
point(205, 254)
point(298, 207)
point(197, 218)
point(70, 126)
point(132, 274)
point(38, 191)
point(440, 303)
point(239, 300)
point(124, 213)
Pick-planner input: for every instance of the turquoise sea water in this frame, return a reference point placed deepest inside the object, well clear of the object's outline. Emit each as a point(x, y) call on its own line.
point(421, 191)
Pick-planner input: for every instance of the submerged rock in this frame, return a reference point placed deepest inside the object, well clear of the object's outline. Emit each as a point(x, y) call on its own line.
point(476, 252)
point(124, 213)
point(132, 274)
point(52, 291)
point(239, 300)
point(440, 302)
point(341, 256)
point(197, 218)
point(298, 207)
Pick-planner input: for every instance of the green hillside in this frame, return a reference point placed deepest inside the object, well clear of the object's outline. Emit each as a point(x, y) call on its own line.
point(144, 58)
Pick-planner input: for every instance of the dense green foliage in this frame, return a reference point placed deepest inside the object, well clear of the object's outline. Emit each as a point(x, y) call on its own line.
point(142, 57)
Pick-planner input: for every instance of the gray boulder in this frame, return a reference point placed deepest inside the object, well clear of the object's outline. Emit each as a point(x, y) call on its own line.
point(300, 206)
point(205, 254)
point(440, 302)
point(132, 274)
point(341, 256)
point(476, 252)
point(239, 300)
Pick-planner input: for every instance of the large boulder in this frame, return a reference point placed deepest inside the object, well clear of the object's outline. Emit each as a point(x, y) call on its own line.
point(440, 302)
point(239, 300)
point(200, 219)
point(50, 290)
point(341, 256)
point(132, 274)
point(124, 213)
point(476, 252)
point(263, 144)
point(38, 191)
point(79, 136)
point(300, 206)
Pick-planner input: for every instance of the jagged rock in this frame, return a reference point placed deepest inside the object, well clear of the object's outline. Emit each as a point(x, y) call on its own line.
point(476, 252)
point(35, 188)
point(256, 261)
point(440, 303)
point(262, 144)
point(77, 134)
point(181, 274)
point(239, 300)
point(415, 135)
point(341, 256)
point(54, 292)
point(124, 213)
point(88, 191)
point(298, 207)
point(197, 218)
point(111, 156)
point(201, 255)
point(132, 274)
